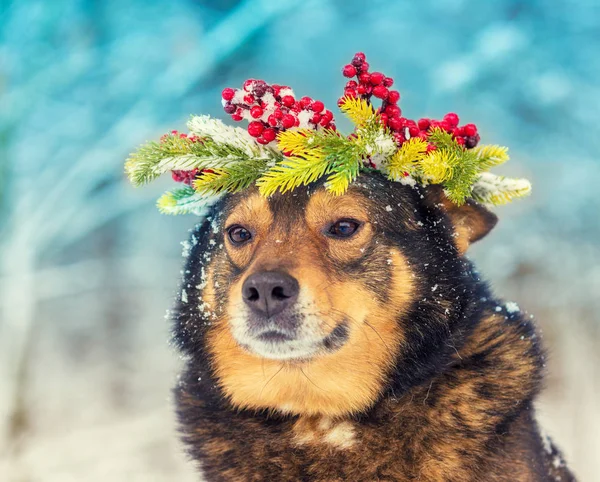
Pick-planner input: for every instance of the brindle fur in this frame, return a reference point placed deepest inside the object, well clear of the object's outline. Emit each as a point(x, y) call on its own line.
point(455, 400)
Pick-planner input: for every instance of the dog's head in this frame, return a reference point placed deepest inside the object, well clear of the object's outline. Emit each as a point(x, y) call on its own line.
point(313, 303)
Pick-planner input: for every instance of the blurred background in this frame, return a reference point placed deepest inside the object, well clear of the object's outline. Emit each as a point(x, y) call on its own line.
point(88, 266)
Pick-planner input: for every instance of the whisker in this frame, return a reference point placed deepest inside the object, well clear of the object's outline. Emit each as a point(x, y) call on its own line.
point(269, 380)
point(306, 376)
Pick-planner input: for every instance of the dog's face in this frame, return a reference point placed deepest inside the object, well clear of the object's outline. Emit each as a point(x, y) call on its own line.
point(307, 300)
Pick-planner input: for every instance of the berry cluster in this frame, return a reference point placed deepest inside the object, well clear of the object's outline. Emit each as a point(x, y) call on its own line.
point(186, 177)
point(270, 109)
point(376, 84)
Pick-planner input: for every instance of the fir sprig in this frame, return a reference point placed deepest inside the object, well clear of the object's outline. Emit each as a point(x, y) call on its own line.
point(184, 201)
point(183, 153)
point(235, 177)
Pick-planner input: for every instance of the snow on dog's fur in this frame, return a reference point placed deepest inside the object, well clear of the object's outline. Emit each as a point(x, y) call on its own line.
point(379, 353)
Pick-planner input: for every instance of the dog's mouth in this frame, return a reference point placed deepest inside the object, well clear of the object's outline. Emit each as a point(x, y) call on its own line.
point(274, 336)
point(300, 343)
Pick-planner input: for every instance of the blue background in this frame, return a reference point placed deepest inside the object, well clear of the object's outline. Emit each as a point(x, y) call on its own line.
point(87, 265)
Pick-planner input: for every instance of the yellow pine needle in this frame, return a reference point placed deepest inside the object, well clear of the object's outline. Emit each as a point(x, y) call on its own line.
point(203, 183)
point(504, 197)
point(338, 182)
point(404, 159)
point(438, 165)
point(492, 155)
point(295, 142)
point(166, 201)
point(359, 111)
point(293, 172)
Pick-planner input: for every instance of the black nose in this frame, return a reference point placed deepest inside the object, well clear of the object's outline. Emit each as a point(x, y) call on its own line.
point(270, 292)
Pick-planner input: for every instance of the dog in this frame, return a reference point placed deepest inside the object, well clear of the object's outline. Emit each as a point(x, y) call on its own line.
point(349, 338)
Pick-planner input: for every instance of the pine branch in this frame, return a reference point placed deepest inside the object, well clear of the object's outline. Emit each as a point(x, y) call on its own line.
point(439, 165)
point(295, 142)
point(359, 111)
point(442, 139)
point(345, 169)
point(233, 178)
point(491, 156)
point(293, 172)
point(177, 153)
point(458, 188)
point(185, 201)
point(406, 159)
point(495, 190)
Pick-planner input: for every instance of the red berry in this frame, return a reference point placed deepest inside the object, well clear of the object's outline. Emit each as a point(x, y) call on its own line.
point(272, 120)
point(377, 78)
point(349, 70)
point(413, 131)
point(431, 147)
point(451, 118)
point(423, 124)
point(256, 112)
point(349, 93)
point(380, 92)
point(364, 78)
point(260, 88)
point(364, 67)
point(383, 118)
point(178, 176)
point(229, 108)
point(249, 99)
point(423, 135)
point(228, 93)
point(360, 55)
point(269, 134)
point(393, 96)
point(288, 100)
point(247, 85)
point(317, 106)
point(305, 102)
point(278, 114)
point(351, 84)
point(393, 110)
point(316, 118)
point(399, 138)
point(388, 82)
point(236, 117)
point(446, 126)
point(288, 121)
point(262, 140)
point(395, 123)
point(363, 89)
point(296, 121)
point(470, 129)
point(255, 128)
point(460, 141)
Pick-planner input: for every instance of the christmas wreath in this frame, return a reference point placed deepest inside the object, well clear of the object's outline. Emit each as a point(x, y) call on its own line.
point(291, 142)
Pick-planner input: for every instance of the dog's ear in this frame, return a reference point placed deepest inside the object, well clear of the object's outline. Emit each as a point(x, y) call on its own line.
point(471, 221)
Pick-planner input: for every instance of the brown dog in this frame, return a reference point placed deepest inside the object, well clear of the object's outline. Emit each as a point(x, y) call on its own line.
point(348, 338)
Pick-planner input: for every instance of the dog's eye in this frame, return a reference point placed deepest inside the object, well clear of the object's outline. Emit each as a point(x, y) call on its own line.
point(238, 234)
point(344, 228)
